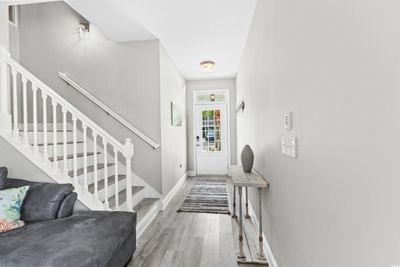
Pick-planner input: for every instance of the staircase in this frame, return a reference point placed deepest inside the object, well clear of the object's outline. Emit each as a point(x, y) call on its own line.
point(69, 147)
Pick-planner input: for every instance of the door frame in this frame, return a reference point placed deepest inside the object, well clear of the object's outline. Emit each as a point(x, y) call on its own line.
point(228, 118)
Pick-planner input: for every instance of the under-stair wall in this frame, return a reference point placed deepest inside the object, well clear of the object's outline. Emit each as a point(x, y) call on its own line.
point(13, 159)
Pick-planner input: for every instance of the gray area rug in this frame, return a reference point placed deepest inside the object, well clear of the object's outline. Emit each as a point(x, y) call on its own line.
point(207, 195)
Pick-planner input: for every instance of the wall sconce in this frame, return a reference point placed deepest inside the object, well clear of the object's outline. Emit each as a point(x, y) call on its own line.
point(241, 107)
point(83, 28)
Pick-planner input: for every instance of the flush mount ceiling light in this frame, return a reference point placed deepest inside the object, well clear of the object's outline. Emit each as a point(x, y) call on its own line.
point(207, 66)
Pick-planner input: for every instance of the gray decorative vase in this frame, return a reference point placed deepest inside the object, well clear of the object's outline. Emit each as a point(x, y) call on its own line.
point(247, 158)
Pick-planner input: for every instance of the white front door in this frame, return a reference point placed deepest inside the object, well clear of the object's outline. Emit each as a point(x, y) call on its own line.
point(211, 138)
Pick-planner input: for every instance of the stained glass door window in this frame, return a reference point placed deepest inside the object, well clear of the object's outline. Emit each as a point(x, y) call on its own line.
point(211, 130)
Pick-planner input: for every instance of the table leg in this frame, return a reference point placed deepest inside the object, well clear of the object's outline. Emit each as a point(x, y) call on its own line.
point(260, 237)
point(247, 216)
point(241, 252)
point(234, 203)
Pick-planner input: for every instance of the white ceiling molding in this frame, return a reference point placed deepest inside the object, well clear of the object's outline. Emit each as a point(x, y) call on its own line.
point(190, 30)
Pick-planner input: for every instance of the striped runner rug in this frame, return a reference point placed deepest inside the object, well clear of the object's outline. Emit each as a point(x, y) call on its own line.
point(207, 195)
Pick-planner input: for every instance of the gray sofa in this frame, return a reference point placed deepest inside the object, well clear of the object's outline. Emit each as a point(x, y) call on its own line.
point(55, 236)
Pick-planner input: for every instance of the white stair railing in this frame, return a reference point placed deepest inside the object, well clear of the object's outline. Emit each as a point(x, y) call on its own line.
point(16, 81)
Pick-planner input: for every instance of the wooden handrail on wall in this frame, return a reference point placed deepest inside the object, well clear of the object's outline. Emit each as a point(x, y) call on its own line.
point(108, 110)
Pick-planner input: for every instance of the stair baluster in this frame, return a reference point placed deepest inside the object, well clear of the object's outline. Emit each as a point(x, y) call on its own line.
point(35, 130)
point(75, 163)
point(116, 179)
point(15, 102)
point(95, 174)
point(85, 162)
point(55, 162)
point(106, 204)
point(45, 143)
point(25, 110)
point(65, 149)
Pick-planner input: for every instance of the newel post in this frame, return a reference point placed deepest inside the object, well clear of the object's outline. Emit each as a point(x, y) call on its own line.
point(5, 116)
point(128, 154)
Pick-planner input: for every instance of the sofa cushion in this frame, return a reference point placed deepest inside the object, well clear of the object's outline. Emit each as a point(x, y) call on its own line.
point(43, 199)
point(10, 208)
point(87, 238)
point(67, 206)
point(3, 177)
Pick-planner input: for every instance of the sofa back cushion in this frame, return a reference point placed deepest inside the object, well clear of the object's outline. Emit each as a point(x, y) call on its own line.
point(3, 177)
point(42, 201)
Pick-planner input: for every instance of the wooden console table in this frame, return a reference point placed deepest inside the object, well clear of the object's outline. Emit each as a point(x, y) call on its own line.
point(241, 179)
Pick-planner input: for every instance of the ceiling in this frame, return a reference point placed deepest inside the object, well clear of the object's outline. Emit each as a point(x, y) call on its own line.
point(190, 30)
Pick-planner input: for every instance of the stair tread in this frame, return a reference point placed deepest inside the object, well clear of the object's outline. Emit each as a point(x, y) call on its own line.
point(70, 156)
point(122, 196)
point(61, 143)
point(100, 184)
point(89, 169)
point(144, 206)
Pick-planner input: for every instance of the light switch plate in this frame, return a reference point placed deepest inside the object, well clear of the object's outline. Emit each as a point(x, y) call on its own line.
point(289, 146)
point(288, 120)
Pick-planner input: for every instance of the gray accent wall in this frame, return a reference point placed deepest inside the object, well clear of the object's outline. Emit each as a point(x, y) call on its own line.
point(336, 66)
point(217, 84)
point(124, 76)
point(173, 138)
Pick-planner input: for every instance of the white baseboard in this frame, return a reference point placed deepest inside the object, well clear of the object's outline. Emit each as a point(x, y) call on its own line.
point(267, 249)
point(191, 173)
point(173, 191)
point(147, 220)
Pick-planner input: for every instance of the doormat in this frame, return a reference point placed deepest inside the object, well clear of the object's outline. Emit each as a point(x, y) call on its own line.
point(207, 195)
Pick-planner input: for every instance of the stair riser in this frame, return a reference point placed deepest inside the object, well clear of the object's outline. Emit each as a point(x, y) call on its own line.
point(139, 196)
point(80, 161)
point(40, 126)
point(111, 189)
point(60, 149)
point(135, 200)
point(59, 136)
point(100, 175)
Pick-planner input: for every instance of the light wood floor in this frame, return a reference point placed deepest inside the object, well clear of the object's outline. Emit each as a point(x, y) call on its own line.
point(186, 239)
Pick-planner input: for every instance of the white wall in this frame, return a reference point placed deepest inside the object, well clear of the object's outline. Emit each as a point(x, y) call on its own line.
point(173, 138)
point(125, 76)
point(336, 65)
point(4, 35)
point(194, 85)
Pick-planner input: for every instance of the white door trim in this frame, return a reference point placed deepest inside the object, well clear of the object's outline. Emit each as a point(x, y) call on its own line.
point(228, 118)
